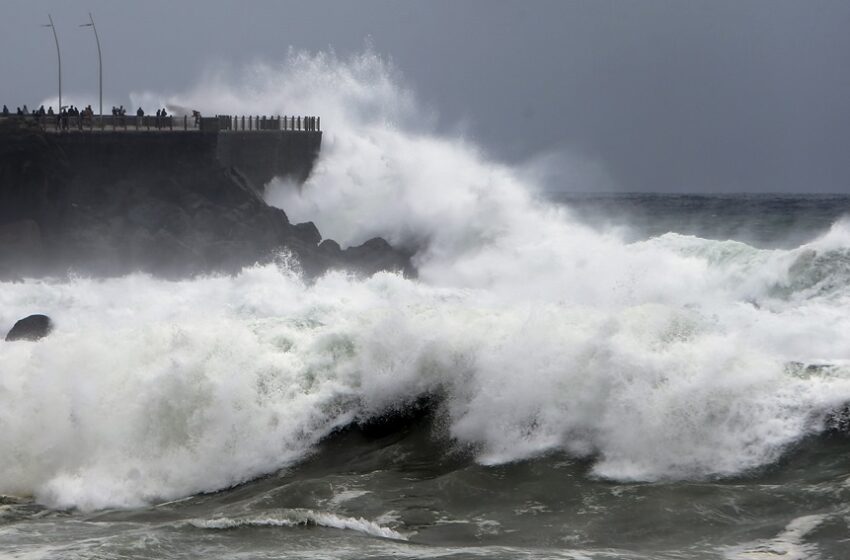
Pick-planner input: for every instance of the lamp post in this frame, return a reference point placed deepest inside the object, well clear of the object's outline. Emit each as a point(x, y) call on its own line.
point(58, 57)
point(99, 65)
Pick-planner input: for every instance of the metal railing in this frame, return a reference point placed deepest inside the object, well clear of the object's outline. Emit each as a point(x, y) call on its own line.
point(184, 123)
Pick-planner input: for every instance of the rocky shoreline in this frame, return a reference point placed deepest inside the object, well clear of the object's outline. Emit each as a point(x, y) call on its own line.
point(109, 205)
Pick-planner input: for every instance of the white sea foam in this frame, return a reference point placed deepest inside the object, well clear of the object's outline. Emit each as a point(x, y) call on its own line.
point(789, 544)
point(300, 517)
point(660, 359)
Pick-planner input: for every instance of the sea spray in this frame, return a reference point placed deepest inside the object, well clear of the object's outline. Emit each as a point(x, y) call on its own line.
point(660, 359)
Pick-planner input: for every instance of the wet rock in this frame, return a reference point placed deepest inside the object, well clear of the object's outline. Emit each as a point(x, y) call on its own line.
point(330, 247)
point(34, 327)
point(22, 235)
point(308, 232)
point(376, 254)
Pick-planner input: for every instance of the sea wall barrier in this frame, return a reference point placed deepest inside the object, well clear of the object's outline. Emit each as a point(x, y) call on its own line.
point(184, 123)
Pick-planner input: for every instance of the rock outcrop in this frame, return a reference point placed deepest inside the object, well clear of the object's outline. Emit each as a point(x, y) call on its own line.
point(113, 203)
point(34, 327)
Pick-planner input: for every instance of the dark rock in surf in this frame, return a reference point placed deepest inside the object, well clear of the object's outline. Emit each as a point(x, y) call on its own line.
point(307, 232)
point(330, 247)
point(34, 327)
point(377, 254)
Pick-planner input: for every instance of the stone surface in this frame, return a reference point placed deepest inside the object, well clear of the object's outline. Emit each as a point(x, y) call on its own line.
point(110, 204)
point(34, 327)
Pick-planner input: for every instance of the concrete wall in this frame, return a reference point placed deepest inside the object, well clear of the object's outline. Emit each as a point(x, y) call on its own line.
point(258, 155)
point(262, 155)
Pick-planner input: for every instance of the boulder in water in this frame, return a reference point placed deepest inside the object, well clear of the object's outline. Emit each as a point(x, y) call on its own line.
point(34, 327)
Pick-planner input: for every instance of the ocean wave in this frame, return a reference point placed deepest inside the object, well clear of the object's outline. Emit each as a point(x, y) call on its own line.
point(299, 518)
point(662, 359)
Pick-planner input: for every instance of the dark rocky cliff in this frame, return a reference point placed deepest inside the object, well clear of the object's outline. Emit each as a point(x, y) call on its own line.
point(173, 204)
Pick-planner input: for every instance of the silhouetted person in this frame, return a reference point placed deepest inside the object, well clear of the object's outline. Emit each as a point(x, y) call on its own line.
point(5, 111)
point(50, 110)
point(140, 113)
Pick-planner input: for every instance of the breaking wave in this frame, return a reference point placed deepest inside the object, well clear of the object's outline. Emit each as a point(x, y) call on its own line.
point(660, 359)
point(300, 518)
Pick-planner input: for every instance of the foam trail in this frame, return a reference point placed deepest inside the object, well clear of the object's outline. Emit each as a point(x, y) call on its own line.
point(789, 544)
point(665, 359)
point(300, 517)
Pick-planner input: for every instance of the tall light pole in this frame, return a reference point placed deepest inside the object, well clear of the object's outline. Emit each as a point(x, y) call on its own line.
point(99, 65)
point(58, 57)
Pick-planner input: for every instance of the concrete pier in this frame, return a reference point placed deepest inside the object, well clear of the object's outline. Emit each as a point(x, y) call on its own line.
point(257, 147)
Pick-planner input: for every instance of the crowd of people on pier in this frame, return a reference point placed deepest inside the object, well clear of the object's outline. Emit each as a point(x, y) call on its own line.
point(60, 119)
point(73, 117)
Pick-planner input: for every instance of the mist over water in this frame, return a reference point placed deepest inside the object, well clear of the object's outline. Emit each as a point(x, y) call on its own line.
point(666, 358)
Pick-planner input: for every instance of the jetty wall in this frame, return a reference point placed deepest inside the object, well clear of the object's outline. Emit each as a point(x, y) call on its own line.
point(262, 155)
point(257, 155)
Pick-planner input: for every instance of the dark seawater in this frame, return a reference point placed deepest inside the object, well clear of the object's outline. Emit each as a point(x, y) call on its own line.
point(406, 488)
point(761, 220)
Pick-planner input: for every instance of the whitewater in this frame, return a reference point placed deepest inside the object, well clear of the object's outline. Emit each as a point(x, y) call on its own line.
point(667, 359)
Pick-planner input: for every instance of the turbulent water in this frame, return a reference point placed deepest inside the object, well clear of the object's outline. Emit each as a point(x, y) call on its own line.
point(570, 376)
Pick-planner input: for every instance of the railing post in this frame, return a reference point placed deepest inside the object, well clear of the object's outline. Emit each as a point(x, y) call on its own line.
point(318, 123)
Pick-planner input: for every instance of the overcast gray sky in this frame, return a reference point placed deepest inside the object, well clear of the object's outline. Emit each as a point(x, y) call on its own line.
point(666, 95)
